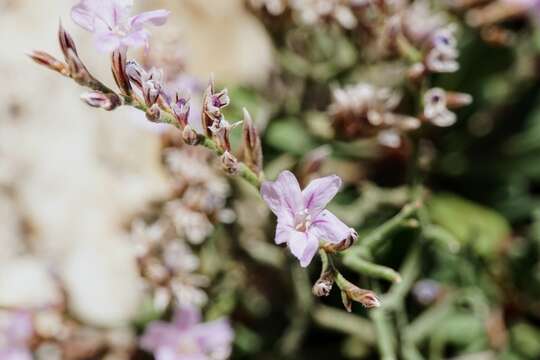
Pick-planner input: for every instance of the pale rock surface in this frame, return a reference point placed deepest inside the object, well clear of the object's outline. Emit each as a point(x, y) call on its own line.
point(70, 176)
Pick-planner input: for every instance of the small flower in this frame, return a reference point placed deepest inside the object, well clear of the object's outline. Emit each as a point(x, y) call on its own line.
point(324, 284)
point(435, 109)
point(213, 103)
point(186, 337)
point(112, 25)
point(181, 109)
point(302, 220)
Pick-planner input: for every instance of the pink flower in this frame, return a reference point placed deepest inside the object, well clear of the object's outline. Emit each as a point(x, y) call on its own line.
point(112, 23)
point(302, 221)
point(16, 330)
point(186, 338)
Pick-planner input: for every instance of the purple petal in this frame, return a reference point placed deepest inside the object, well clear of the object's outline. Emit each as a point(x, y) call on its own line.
point(328, 227)
point(159, 334)
point(284, 194)
point(82, 17)
point(303, 247)
point(107, 42)
point(136, 39)
point(20, 328)
point(214, 335)
point(156, 17)
point(15, 353)
point(187, 317)
point(311, 249)
point(283, 229)
point(319, 192)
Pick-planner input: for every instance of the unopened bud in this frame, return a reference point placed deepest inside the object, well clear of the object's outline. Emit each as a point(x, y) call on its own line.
point(43, 58)
point(99, 100)
point(324, 284)
point(151, 92)
point(456, 100)
point(77, 69)
point(229, 163)
point(153, 113)
point(119, 71)
point(190, 136)
point(351, 292)
point(252, 144)
point(66, 41)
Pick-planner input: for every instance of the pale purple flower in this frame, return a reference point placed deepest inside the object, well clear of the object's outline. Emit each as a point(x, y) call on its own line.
point(112, 24)
point(302, 220)
point(16, 330)
point(187, 338)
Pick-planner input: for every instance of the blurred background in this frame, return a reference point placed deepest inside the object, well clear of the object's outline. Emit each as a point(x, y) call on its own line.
point(85, 193)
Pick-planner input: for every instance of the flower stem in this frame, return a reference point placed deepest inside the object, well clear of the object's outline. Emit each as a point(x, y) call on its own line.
point(356, 263)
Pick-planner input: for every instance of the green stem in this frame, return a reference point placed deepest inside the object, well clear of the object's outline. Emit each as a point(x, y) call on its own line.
point(167, 118)
point(377, 236)
point(385, 334)
point(365, 267)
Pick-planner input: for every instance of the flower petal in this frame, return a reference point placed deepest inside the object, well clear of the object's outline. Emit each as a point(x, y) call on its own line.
point(155, 17)
point(283, 195)
point(283, 229)
point(319, 192)
point(82, 17)
point(107, 42)
point(136, 39)
point(214, 335)
point(303, 247)
point(328, 227)
point(297, 243)
point(311, 249)
point(186, 317)
point(289, 189)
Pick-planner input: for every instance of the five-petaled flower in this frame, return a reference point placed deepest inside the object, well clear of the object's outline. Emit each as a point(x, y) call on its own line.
point(302, 220)
point(187, 338)
point(112, 24)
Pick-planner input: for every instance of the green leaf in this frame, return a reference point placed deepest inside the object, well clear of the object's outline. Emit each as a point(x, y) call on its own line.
point(472, 224)
point(290, 136)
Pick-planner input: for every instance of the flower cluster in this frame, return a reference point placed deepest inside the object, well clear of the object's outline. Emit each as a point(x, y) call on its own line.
point(186, 337)
point(364, 110)
point(51, 333)
point(166, 262)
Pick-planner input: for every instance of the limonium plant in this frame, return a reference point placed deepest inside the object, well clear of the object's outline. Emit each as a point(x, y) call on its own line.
point(303, 223)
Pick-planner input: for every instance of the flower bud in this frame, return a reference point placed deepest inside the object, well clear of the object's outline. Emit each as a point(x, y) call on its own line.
point(324, 284)
point(221, 130)
point(229, 163)
point(456, 100)
point(351, 292)
point(119, 71)
point(77, 69)
point(190, 136)
point(153, 113)
point(212, 104)
point(42, 58)
point(66, 41)
point(99, 100)
point(252, 144)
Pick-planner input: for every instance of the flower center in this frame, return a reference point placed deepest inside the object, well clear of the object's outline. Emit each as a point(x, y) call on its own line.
point(302, 220)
